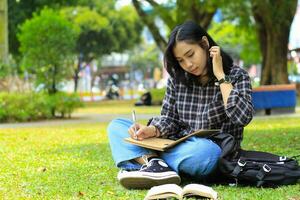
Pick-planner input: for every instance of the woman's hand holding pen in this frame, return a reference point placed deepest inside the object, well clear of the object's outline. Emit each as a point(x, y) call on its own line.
point(142, 131)
point(215, 54)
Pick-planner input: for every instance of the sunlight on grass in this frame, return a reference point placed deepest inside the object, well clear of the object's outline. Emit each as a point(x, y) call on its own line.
point(117, 107)
point(61, 162)
point(74, 162)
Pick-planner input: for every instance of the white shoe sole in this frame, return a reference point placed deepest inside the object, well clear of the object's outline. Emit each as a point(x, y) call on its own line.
point(146, 180)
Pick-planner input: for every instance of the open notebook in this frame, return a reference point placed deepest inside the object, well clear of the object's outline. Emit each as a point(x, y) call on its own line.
point(174, 191)
point(161, 144)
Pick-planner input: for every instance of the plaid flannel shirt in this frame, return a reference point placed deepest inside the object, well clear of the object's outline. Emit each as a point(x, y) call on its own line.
point(186, 109)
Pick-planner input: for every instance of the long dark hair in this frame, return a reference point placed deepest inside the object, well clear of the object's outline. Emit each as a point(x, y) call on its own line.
point(192, 33)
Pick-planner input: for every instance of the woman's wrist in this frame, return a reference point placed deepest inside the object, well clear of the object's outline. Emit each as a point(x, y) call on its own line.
point(220, 76)
point(155, 130)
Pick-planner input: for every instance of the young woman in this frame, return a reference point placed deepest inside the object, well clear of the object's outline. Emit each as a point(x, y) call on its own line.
point(204, 91)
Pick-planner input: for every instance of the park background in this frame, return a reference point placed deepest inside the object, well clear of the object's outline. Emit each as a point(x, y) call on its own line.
point(68, 67)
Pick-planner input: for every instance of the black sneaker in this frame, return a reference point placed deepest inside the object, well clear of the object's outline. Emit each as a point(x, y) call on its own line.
point(153, 173)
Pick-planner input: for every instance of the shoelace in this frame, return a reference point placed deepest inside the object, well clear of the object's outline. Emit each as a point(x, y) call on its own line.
point(147, 163)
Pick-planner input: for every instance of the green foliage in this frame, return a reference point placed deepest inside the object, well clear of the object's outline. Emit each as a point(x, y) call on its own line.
point(34, 106)
point(239, 41)
point(145, 57)
point(173, 13)
point(157, 95)
point(126, 28)
point(103, 31)
point(64, 104)
point(23, 107)
point(90, 23)
point(5, 70)
point(47, 42)
point(292, 68)
point(238, 12)
point(19, 11)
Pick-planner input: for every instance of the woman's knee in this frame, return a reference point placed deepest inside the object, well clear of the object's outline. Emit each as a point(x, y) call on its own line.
point(118, 127)
point(201, 157)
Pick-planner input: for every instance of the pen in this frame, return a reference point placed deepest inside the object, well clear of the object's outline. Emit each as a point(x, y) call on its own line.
point(134, 121)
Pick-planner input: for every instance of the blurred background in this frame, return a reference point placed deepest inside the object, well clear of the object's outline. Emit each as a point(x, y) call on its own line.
point(57, 54)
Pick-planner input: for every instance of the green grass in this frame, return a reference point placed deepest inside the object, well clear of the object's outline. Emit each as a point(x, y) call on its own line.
point(117, 107)
point(74, 162)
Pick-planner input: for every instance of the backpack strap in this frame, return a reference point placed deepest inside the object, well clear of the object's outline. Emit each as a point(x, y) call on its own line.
point(238, 168)
point(262, 173)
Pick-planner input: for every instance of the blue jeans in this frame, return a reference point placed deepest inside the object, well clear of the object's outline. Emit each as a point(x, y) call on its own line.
point(196, 157)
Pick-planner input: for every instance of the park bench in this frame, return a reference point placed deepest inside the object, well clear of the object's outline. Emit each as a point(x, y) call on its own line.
point(274, 99)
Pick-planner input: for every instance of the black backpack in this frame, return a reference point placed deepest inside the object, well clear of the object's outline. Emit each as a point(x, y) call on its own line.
point(254, 167)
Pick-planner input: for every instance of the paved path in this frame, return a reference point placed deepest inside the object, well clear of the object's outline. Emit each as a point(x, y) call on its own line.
point(76, 118)
point(97, 118)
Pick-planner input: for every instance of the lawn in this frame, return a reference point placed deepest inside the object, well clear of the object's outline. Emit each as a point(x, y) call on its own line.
point(74, 161)
point(121, 107)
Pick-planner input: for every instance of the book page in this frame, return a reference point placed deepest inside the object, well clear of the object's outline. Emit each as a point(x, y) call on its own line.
point(164, 191)
point(199, 190)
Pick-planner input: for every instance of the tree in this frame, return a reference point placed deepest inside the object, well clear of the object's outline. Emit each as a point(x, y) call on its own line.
point(89, 22)
point(239, 41)
point(173, 14)
point(273, 22)
point(47, 44)
point(102, 32)
point(19, 11)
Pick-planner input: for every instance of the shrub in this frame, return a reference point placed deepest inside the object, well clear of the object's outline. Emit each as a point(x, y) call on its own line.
point(64, 104)
point(22, 107)
point(35, 106)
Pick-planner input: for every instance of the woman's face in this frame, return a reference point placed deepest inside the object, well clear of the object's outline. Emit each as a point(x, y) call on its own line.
point(191, 57)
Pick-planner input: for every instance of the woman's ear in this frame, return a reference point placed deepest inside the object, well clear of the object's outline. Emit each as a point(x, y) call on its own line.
point(204, 39)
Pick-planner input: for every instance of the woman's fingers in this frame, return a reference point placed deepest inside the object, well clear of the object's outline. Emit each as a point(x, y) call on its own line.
point(214, 50)
point(145, 132)
point(215, 54)
point(140, 132)
point(133, 129)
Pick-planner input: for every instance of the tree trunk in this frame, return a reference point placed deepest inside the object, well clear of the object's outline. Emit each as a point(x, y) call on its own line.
point(186, 10)
point(158, 38)
point(273, 19)
point(196, 11)
point(53, 89)
point(76, 75)
point(3, 32)
point(275, 60)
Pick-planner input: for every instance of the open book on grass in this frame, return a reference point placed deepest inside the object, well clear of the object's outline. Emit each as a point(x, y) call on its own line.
point(175, 191)
point(161, 144)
